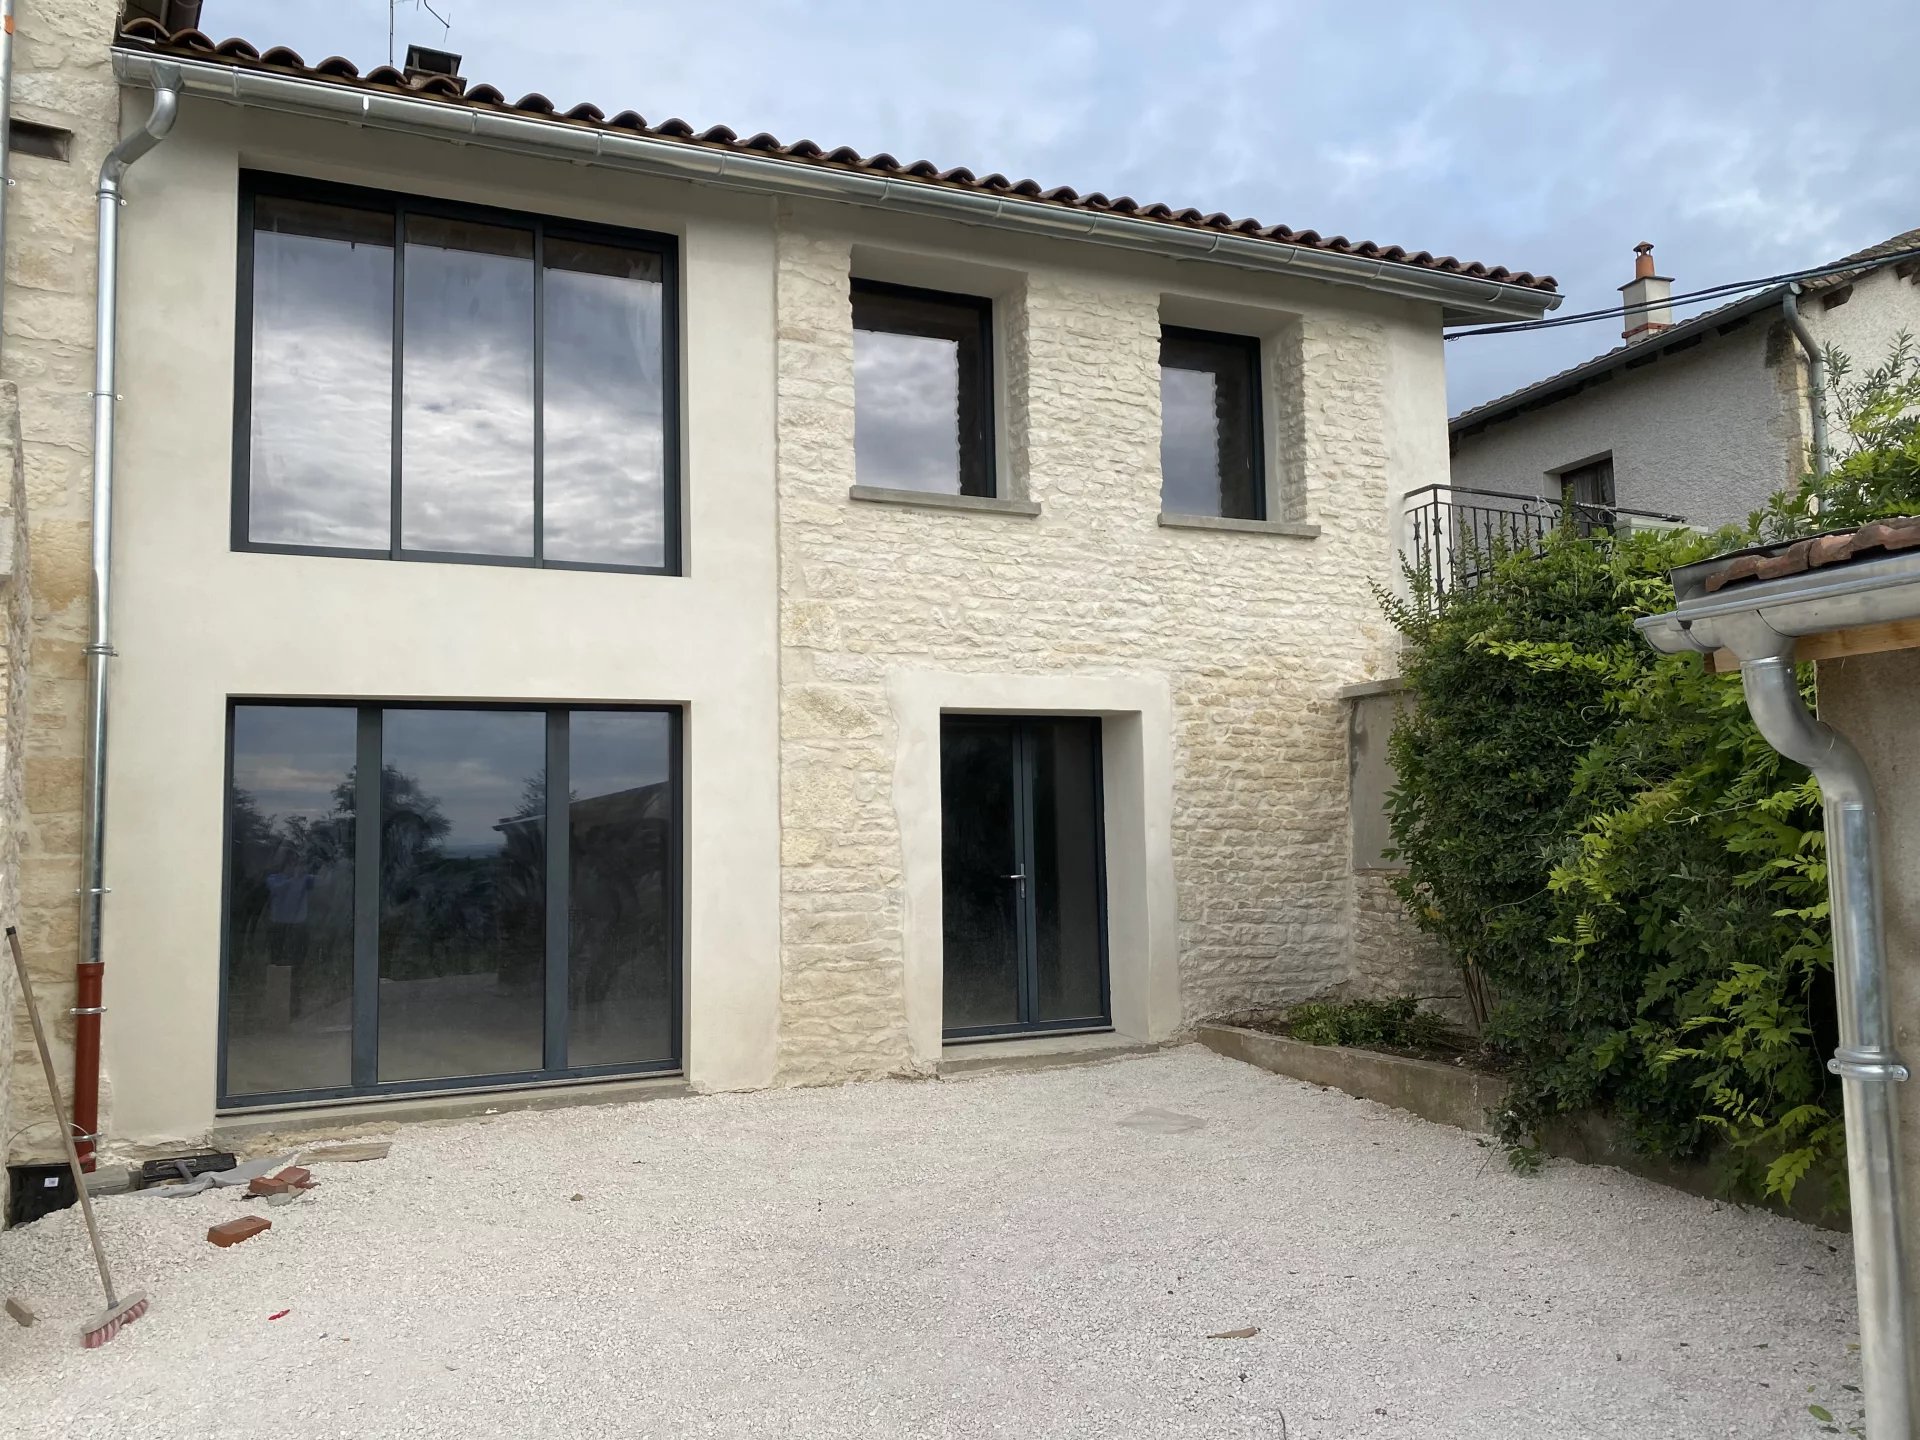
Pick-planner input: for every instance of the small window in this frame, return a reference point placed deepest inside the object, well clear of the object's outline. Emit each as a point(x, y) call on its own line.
point(423, 381)
point(922, 387)
point(29, 137)
point(1210, 455)
point(1586, 494)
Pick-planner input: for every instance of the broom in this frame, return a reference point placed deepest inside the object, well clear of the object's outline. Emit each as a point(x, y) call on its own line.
point(120, 1312)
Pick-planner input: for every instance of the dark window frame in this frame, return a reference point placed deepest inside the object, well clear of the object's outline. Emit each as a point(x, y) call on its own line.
point(1598, 512)
point(1024, 772)
point(366, 938)
point(1250, 346)
point(255, 184)
point(986, 461)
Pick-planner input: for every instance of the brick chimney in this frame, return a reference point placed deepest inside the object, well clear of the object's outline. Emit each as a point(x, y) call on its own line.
point(1645, 298)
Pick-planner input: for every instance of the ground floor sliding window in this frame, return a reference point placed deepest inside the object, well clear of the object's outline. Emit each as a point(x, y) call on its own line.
point(429, 897)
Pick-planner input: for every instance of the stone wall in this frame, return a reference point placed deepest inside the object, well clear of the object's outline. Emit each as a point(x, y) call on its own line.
point(15, 662)
point(62, 76)
point(1253, 632)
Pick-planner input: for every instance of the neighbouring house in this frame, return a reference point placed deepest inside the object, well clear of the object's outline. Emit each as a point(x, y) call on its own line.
point(598, 600)
point(1699, 421)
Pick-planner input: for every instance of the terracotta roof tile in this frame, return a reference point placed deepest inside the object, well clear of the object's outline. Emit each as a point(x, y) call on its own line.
point(1836, 547)
point(194, 44)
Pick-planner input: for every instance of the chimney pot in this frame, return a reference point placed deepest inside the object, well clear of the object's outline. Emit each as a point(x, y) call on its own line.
point(1645, 299)
point(422, 60)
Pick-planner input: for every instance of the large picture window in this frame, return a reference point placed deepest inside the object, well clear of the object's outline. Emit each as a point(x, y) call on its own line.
point(425, 897)
point(424, 381)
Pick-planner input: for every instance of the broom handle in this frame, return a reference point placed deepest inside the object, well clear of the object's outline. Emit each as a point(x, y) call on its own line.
point(59, 1109)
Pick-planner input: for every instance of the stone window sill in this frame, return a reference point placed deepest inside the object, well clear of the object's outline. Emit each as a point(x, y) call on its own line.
point(933, 500)
point(1297, 529)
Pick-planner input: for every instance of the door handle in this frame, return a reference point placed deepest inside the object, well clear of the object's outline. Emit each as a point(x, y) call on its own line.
point(1018, 876)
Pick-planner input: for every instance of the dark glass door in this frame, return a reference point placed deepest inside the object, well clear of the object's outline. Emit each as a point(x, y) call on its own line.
point(1023, 887)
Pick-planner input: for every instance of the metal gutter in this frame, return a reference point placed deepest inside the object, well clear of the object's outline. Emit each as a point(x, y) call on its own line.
point(1761, 623)
point(89, 973)
point(1461, 297)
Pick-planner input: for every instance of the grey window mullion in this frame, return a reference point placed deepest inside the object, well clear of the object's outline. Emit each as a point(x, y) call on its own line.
point(1026, 925)
point(367, 806)
point(559, 901)
point(399, 368)
point(539, 395)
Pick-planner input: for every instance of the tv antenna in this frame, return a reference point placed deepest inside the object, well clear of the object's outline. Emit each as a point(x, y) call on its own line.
point(446, 24)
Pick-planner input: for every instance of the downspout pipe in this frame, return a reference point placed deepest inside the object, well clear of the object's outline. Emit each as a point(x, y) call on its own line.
point(1865, 1061)
point(90, 971)
point(1816, 374)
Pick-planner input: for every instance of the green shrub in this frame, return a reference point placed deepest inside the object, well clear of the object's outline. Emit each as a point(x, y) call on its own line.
point(1395, 1024)
point(1612, 852)
point(1876, 465)
point(1600, 836)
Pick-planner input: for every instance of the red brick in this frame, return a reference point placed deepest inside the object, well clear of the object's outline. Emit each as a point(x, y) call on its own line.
point(266, 1185)
point(234, 1231)
point(297, 1176)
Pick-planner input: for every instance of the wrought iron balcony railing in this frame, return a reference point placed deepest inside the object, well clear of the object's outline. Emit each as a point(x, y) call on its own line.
point(1454, 534)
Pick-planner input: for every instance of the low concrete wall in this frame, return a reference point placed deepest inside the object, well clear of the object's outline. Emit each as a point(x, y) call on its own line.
point(1444, 1094)
point(1450, 1095)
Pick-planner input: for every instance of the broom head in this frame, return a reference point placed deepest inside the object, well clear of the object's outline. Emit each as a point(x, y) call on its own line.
point(109, 1323)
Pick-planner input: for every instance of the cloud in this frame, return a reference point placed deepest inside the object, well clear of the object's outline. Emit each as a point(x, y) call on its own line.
point(1551, 141)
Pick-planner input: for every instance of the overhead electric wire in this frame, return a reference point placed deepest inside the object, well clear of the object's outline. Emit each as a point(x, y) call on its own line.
point(1712, 292)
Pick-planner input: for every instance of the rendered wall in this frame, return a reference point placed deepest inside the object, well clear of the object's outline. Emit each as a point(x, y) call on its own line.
point(1705, 434)
point(1871, 699)
point(197, 622)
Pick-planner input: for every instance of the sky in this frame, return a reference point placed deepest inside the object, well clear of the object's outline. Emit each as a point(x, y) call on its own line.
point(1742, 140)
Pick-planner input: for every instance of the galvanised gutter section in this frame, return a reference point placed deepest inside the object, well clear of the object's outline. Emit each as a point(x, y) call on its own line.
point(90, 971)
point(1761, 623)
point(1463, 298)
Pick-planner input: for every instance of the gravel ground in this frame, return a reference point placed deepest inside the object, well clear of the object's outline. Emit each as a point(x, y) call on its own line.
point(1002, 1255)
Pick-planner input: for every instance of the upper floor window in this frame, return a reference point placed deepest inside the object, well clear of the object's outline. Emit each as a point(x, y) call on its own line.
point(427, 381)
point(922, 387)
point(1210, 454)
point(1586, 495)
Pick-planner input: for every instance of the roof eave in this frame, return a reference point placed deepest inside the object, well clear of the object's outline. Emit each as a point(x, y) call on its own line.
point(1462, 299)
point(1568, 383)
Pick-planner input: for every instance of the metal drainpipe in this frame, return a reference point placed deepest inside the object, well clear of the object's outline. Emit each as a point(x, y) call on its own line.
point(89, 971)
point(1816, 375)
point(1866, 1062)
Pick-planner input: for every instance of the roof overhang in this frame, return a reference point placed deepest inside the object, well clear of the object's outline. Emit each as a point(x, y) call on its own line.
point(1763, 617)
point(1567, 383)
point(1462, 299)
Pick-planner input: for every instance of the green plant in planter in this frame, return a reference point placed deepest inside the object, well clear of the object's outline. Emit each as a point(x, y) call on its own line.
point(1393, 1024)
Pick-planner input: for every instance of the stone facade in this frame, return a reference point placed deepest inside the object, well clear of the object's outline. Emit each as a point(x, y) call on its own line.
point(62, 76)
point(1253, 633)
point(15, 663)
